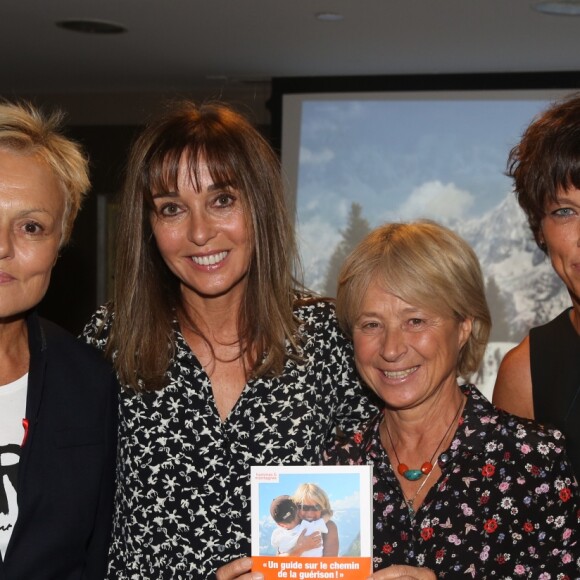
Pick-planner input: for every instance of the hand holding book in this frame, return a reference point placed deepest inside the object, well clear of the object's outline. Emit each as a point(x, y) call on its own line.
point(403, 573)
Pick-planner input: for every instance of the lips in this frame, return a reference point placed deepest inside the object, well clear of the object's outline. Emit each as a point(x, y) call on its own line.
point(4, 277)
point(209, 260)
point(400, 374)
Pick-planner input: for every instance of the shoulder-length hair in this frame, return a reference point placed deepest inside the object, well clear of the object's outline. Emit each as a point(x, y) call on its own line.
point(547, 160)
point(424, 264)
point(147, 295)
point(26, 130)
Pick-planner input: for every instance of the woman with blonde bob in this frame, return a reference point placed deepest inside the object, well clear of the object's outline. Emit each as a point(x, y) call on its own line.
point(226, 363)
point(456, 481)
point(57, 396)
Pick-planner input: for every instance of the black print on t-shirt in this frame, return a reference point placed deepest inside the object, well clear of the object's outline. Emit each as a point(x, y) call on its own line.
point(9, 467)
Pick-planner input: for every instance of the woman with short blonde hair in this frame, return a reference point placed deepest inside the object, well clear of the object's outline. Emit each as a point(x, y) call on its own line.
point(453, 477)
point(58, 411)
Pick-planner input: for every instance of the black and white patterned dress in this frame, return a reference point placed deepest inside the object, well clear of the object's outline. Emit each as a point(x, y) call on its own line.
point(183, 496)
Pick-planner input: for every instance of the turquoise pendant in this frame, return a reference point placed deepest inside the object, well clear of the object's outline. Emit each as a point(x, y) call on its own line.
point(413, 474)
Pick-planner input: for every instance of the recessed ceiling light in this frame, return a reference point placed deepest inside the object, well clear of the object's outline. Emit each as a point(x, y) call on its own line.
point(561, 8)
point(329, 16)
point(90, 26)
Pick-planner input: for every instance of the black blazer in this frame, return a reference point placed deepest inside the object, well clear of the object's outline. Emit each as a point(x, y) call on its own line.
point(67, 464)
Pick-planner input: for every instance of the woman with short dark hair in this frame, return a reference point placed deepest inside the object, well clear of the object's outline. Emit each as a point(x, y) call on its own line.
point(540, 378)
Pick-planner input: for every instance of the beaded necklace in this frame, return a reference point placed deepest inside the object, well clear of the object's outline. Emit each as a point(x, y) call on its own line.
point(427, 467)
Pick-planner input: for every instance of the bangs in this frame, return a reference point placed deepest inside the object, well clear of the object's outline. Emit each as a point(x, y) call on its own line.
point(418, 286)
point(164, 167)
point(564, 175)
point(573, 178)
point(410, 261)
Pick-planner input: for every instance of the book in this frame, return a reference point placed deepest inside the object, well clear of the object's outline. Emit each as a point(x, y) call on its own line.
point(333, 504)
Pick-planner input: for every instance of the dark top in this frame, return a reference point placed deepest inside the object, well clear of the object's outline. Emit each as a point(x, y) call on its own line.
point(67, 463)
point(555, 367)
point(505, 506)
point(183, 503)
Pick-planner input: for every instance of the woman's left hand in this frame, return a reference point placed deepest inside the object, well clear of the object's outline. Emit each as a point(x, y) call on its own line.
point(404, 573)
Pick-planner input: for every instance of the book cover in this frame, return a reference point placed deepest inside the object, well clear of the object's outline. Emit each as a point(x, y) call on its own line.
point(312, 522)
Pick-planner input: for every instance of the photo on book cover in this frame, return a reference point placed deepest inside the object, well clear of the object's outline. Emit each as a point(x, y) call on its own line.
point(332, 503)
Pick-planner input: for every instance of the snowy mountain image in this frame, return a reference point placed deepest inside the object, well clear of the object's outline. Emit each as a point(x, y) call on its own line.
point(530, 291)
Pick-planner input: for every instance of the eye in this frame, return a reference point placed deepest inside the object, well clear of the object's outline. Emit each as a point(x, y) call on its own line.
point(415, 322)
point(169, 209)
point(563, 212)
point(33, 228)
point(369, 326)
point(224, 199)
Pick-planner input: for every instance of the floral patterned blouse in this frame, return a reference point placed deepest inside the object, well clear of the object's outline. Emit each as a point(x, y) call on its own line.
point(505, 506)
point(183, 492)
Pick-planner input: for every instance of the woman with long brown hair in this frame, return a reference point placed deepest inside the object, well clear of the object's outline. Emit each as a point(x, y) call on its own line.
point(225, 361)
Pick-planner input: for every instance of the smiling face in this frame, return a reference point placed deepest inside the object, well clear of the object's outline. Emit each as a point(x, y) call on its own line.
point(406, 354)
point(32, 207)
point(309, 510)
point(203, 236)
point(560, 230)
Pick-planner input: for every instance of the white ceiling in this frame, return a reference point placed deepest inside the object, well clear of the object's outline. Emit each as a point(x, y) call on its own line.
point(232, 48)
